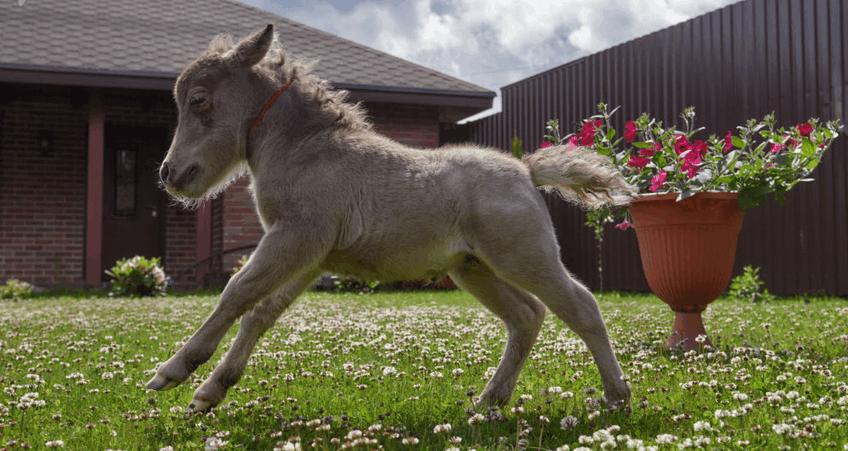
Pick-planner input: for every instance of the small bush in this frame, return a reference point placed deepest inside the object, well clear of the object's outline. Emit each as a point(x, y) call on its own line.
point(239, 264)
point(15, 289)
point(746, 286)
point(352, 285)
point(138, 276)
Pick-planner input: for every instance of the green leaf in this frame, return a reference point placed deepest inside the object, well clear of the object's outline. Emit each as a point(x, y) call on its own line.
point(642, 145)
point(737, 142)
point(808, 148)
point(812, 164)
point(753, 196)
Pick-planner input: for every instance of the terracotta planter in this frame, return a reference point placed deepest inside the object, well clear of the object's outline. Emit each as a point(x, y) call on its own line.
point(688, 249)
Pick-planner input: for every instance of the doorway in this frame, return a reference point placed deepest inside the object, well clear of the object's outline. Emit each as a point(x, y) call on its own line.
point(133, 203)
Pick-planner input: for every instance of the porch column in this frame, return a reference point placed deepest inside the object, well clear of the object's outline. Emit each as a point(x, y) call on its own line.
point(94, 197)
point(203, 244)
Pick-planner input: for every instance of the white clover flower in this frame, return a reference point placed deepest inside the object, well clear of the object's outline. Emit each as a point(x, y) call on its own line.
point(213, 443)
point(442, 429)
point(782, 428)
point(704, 426)
point(288, 446)
point(412, 441)
point(602, 435)
point(585, 440)
point(568, 422)
point(476, 419)
point(634, 444)
point(665, 439)
point(55, 444)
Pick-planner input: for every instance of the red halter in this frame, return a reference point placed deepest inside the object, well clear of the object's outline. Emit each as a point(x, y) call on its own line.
point(268, 105)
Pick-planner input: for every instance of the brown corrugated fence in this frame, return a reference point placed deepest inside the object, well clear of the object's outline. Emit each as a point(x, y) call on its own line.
point(739, 62)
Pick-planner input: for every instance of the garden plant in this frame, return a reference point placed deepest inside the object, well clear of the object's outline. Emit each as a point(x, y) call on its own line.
point(757, 160)
point(138, 276)
point(400, 371)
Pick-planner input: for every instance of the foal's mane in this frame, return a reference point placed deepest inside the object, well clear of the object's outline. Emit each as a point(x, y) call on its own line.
point(331, 104)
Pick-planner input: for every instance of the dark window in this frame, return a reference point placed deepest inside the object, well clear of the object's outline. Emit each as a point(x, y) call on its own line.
point(125, 183)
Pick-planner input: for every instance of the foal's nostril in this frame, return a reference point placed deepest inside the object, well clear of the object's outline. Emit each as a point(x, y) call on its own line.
point(164, 173)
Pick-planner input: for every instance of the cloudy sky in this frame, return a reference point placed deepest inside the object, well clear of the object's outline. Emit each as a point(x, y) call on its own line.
point(491, 43)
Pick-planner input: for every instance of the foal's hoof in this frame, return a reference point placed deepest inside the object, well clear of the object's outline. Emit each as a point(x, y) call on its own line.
point(162, 383)
point(199, 405)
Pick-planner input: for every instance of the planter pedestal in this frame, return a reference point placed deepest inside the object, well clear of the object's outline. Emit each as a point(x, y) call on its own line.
point(687, 249)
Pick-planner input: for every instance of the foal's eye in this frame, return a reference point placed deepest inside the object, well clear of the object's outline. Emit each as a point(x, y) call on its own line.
point(199, 101)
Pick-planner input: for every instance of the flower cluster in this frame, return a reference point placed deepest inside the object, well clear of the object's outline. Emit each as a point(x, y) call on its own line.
point(758, 160)
point(138, 276)
point(15, 289)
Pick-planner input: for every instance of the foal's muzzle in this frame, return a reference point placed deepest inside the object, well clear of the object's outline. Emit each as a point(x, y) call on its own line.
point(165, 173)
point(173, 181)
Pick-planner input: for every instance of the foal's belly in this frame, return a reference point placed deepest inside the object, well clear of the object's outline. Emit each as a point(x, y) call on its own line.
point(396, 264)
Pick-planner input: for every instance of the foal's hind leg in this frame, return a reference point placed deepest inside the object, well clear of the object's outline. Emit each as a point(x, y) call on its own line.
point(253, 326)
point(569, 301)
point(523, 315)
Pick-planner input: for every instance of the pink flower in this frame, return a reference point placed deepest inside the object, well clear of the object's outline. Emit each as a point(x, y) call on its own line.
point(690, 163)
point(587, 135)
point(637, 162)
point(728, 142)
point(681, 144)
point(700, 148)
point(649, 152)
point(630, 131)
point(624, 225)
point(572, 144)
point(658, 181)
point(775, 147)
point(546, 144)
point(806, 128)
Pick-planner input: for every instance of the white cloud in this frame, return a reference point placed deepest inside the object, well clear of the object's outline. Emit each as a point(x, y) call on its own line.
point(492, 42)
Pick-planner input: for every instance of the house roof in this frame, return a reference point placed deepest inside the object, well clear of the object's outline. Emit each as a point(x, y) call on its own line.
point(146, 44)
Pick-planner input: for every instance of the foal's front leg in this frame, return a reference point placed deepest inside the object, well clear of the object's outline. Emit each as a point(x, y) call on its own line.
point(253, 326)
point(282, 255)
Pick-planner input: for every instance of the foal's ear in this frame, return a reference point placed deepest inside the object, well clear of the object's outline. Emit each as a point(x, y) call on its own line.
point(253, 48)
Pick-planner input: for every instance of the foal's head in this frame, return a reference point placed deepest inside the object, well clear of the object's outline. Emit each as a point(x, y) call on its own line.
point(218, 96)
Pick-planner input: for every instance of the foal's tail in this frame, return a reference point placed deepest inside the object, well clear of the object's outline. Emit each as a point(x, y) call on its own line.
point(578, 176)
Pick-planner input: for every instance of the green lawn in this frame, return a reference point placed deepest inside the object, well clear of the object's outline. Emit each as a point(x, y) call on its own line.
point(386, 370)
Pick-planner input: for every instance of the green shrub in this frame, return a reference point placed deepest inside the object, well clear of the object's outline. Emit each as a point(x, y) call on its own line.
point(239, 264)
point(353, 285)
point(138, 276)
point(746, 286)
point(15, 289)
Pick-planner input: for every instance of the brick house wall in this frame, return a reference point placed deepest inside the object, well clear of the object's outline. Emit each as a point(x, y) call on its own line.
point(42, 197)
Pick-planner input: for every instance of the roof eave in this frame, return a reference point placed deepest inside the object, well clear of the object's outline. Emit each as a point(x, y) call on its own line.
point(481, 100)
point(159, 81)
point(467, 101)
